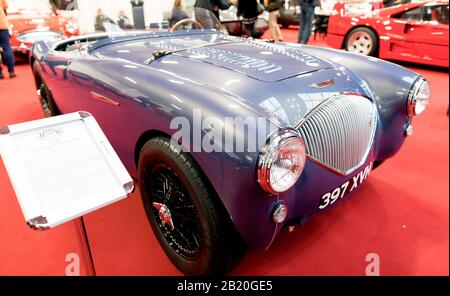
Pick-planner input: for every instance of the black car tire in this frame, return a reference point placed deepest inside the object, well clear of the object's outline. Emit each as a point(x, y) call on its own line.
point(46, 100)
point(220, 246)
point(362, 40)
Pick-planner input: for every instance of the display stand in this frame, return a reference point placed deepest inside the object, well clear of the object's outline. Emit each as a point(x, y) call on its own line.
point(85, 240)
point(62, 168)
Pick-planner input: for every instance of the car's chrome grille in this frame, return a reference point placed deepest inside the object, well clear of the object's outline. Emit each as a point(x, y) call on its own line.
point(339, 132)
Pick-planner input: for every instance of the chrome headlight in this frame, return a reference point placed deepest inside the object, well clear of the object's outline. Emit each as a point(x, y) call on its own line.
point(281, 162)
point(419, 97)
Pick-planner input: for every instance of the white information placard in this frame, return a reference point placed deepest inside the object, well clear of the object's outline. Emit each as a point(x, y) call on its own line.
point(62, 168)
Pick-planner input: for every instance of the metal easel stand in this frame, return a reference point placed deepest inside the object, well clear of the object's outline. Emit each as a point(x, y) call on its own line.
point(86, 246)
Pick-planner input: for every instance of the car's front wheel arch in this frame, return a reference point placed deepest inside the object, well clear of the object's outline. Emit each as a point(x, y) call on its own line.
point(232, 249)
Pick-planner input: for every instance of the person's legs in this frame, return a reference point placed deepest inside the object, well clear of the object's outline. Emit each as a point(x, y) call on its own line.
point(1, 69)
point(249, 25)
point(302, 23)
point(272, 20)
point(278, 33)
point(308, 23)
point(8, 54)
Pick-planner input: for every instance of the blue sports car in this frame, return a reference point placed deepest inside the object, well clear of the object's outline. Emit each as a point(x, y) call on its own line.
point(231, 140)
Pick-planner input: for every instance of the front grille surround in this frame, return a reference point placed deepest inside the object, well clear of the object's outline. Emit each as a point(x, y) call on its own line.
point(339, 132)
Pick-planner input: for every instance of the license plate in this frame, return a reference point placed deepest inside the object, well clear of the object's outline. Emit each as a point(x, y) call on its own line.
point(334, 195)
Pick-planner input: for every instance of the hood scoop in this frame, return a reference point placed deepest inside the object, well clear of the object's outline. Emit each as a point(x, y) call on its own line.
point(259, 60)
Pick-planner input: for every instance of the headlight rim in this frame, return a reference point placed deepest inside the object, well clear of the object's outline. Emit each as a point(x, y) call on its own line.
point(413, 93)
point(268, 154)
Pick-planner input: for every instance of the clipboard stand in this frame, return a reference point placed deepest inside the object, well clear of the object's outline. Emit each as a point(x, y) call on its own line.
point(81, 172)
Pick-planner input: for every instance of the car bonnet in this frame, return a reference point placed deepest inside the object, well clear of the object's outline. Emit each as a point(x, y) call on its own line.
point(257, 59)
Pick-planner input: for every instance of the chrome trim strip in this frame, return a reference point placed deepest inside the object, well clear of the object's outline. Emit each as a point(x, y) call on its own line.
point(104, 99)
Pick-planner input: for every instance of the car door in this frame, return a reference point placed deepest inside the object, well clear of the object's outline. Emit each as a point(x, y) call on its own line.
point(431, 32)
point(57, 79)
point(401, 33)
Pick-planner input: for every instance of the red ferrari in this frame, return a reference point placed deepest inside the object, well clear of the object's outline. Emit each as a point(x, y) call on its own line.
point(32, 21)
point(412, 32)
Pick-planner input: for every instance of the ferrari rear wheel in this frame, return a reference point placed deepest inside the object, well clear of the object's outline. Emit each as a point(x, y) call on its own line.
point(187, 218)
point(362, 40)
point(45, 96)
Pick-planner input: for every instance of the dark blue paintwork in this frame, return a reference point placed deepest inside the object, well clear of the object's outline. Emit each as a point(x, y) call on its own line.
point(151, 95)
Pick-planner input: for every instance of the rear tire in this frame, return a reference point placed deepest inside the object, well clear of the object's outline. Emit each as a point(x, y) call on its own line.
point(362, 40)
point(192, 228)
point(46, 100)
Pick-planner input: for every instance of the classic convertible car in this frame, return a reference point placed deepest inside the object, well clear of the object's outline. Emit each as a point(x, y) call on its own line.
point(231, 139)
point(412, 32)
point(32, 21)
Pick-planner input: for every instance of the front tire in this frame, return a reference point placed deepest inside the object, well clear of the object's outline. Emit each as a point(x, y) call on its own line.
point(184, 213)
point(46, 100)
point(362, 40)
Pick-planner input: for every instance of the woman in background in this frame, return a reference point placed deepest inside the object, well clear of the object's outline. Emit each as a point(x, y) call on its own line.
point(273, 7)
point(178, 13)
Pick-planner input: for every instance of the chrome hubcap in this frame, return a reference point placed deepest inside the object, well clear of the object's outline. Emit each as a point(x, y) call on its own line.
point(360, 42)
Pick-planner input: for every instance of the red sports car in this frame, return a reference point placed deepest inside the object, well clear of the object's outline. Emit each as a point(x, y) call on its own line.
point(412, 32)
point(32, 21)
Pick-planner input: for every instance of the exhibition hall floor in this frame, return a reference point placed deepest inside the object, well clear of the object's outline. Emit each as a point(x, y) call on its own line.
point(401, 213)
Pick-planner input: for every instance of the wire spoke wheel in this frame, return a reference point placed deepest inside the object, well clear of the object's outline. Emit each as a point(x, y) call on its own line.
point(184, 212)
point(175, 212)
point(44, 100)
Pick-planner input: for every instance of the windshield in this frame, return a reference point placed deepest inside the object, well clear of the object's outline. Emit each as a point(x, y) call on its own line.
point(29, 7)
point(189, 19)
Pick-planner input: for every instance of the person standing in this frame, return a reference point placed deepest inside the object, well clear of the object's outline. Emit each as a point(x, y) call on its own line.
point(248, 9)
point(215, 5)
point(124, 21)
point(273, 7)
point(306, 18)
point(4, 41)
point(178, 13)
point(100, 21)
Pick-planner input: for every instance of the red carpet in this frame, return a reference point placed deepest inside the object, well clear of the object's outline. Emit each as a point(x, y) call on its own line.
point(401, 213)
